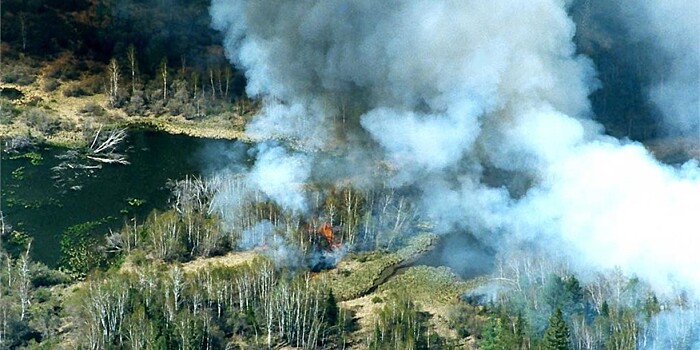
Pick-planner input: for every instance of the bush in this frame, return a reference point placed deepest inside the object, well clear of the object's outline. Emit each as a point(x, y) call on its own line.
point(11, 93)
point(42, 294)
point(19, 74)
point(42, 121)
point(92, 85)
point(74, 91)
point(93, 109)
point(51, 85)
point(136, 105)
point(8, 112)
point(64, 68)
point(43, 276)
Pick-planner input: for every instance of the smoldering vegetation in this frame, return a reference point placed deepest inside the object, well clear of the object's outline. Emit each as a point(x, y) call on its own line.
point(147, 286)
point(518, 123)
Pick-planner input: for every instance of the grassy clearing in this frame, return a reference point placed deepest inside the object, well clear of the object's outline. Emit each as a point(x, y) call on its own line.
point(359, 274)
point(428, 285)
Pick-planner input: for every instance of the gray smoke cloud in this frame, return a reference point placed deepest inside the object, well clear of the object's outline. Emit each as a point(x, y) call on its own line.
point(652, 47)
point(483, 108)
point(673, 28)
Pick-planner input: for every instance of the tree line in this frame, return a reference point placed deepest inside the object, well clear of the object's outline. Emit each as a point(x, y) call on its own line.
point(534, 302)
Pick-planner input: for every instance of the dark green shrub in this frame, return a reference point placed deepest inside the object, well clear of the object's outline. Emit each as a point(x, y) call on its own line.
point(92, 109)
point(51, 85)
point(74, 91)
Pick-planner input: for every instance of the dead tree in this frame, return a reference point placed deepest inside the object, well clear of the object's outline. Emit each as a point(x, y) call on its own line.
point(227, 75)
point(113, 70)
point(23, 30)
point(164, 76)
point(211, 81)
point(24, 283)
point(131, 56)
point(104, 149)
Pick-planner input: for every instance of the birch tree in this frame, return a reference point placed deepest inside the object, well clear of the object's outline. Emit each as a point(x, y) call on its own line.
point(113, 71)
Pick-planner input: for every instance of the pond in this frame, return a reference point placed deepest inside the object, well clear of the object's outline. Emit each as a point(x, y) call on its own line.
point(43, 205)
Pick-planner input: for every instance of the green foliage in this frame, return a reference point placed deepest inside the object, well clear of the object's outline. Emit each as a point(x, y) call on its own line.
point(80, 251)
point(28, 313)
point(42, 120)
point(468, 320)
point(136, 202)
point(332, 312)
point(43, 276)
point(401, 325)
point(18, 239)
point(651, 307)
point(557, 335)
point(19, 74)
point(35, 158)
point(8, 112)
point(502, 331)
point(18, 173)
point(496, 335)
point(158, 306)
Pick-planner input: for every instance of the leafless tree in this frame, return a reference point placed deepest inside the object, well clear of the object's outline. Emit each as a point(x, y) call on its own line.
point(227, 74)
point(114, 75)
point(164, 77)
point(211, 81)
point(131, 57)
point(24, 283)
point(103, 146)
point(23, 30)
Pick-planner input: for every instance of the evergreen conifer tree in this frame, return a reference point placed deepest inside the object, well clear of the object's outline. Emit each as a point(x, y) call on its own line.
point(557, 335)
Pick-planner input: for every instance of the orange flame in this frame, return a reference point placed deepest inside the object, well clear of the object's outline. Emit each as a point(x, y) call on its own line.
point(327, 231)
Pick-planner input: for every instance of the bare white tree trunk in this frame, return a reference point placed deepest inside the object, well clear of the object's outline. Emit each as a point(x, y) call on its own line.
point(131, 56)
point(164, 76)
point(24, 282)
point(211, 81)
point(113, 70)
point(23, 30)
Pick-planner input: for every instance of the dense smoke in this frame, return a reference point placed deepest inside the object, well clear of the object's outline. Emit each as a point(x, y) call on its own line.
point(483, 109)
point(647, 53)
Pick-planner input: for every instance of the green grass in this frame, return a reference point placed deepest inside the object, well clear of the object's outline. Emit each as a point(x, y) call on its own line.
point(364, 270)
point(428, 284)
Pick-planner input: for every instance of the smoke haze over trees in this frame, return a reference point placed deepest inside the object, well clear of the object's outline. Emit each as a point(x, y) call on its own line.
point(483, 109)
point(515, 129)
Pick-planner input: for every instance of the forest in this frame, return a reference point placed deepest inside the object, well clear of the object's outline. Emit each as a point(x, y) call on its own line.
point(147, 58)
point(165, 283)
point(336, 228)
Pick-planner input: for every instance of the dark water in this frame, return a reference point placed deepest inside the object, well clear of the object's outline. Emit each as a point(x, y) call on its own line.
point(37, 205)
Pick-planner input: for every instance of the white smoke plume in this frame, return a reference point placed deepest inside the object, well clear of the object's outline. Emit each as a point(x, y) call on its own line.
point(482, 106)
point(672, 27)
point(280, 175)
point(652, 47)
